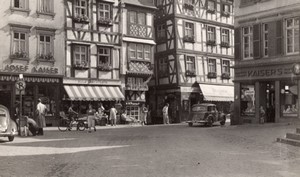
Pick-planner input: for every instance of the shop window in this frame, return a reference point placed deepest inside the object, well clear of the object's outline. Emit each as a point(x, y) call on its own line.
point(289, 103)
point(48, 96)
point(133, 111)
point(292, 35)
point(248, 100)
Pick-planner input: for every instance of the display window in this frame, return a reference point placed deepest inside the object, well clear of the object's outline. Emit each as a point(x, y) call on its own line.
point(248, 100)
point(133, 111)
point(289, 103)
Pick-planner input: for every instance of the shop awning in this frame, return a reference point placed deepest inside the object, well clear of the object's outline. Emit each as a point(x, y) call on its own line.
point(217, 92)
point(93, 93)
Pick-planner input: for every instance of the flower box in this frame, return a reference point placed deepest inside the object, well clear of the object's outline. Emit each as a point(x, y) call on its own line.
point(105, 22)
point(191, 73)
point(47, 57)
point(225, 76)
point(19, 55)
point(212, 75)
point(225, 44)
point(188, 6)
point(189, 39)
point(225, 14)
point(82, 65)
point(211, 11)
point(81, 19)
point(104, 67)
point(211, 43)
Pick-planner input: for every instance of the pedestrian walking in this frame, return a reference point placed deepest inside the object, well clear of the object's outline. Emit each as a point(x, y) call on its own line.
point(144, 116)
point(113, 116)
point(91, 118)
point(41, 111)
point(165, 113)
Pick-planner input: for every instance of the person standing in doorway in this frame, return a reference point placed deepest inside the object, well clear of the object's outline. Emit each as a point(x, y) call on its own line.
point(113, 116)
point(41, 110)
point(91, 118)
point(166, 113)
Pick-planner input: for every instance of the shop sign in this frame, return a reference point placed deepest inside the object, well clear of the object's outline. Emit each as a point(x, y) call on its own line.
point(264, 72)
point(132, 104)
point(92, 82)
point(45, 70)
point(16, 68)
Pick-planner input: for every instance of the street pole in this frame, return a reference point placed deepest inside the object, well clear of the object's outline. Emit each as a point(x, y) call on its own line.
point(20, 111)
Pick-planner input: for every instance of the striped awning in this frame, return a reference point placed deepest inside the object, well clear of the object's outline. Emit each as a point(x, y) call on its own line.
point(217, 92)
point(93, 93)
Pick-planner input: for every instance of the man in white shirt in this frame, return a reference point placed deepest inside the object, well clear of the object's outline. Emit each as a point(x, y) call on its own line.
point(41, 110)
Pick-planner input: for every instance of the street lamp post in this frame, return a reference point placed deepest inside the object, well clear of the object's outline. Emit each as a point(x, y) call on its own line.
point(20, 85)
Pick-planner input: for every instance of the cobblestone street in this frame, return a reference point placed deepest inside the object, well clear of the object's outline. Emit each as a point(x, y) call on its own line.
point(174, 150)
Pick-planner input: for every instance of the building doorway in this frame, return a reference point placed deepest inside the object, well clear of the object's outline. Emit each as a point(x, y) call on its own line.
point(270, 102)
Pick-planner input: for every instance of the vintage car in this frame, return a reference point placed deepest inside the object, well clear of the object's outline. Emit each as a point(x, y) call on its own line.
point(207, 114)
point(8, 127)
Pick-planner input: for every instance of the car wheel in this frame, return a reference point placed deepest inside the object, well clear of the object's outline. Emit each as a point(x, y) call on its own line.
point(209, 121)
point(11, 138)
point(190, 124)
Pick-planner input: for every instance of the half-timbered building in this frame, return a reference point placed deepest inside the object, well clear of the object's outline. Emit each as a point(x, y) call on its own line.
point(32, 50)
point(93, 51)
point(194, 55)
point(137, 52)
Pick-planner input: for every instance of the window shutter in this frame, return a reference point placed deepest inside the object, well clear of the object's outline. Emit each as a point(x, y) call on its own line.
point(237, 43)
point(256, 41)
point(275, 38)
point(279, 41)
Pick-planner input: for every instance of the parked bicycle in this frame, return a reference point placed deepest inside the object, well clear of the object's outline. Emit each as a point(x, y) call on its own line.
point(66, 124)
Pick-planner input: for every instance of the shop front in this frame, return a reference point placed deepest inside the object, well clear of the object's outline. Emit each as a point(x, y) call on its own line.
point(274, 88)
point(42, 87)
point(80, 96)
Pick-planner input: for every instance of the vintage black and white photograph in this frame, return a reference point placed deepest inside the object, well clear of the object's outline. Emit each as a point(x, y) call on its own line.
point(149, 88)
